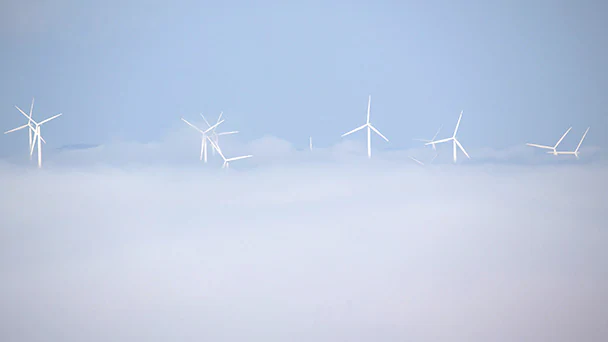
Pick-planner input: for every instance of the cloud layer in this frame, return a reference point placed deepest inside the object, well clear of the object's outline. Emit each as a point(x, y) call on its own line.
point(181, 148)
point(320, 252)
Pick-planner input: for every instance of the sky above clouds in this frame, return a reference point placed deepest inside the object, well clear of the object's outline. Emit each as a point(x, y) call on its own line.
point(521, 71)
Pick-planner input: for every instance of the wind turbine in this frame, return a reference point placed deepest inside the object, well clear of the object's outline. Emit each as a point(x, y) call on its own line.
point(204, 140)
point(37, 133)
point(310, 143)
point(453, 139)
point(369, 129)
point(216, 136)
point(30, 141)
point(575, 152)
point(433, 138)
point(554, 148)
point(227, 161)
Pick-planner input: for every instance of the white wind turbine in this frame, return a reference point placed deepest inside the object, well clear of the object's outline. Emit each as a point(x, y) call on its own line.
point(310, 143)
point(575, 152)
point(36, 140)
point(454, 140)
point(433, 145)
point(432, 139)
point(204, 137)
point(30, 131)
point(227, 161)
point(369, 129)
point(554, 148)
point(216, 136)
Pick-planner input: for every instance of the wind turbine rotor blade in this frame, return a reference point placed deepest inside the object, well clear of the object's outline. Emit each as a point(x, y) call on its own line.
point(439, 141)
point(540, 146)
point(369, 102)
point(216, 140)
point(32, 107)
point(417, 161)
point(354, 130)
point(27, 116)
point(581, 142)
point(191, 125)
point(378, 132)
point(436, 134)
point(216, 147)
point(562, 138)
point(212, 127)
point(18, 128)
point(457, 124)
point(462, 148)
point(34, 140)
point(220, 117)
point(207, 122)
point(238, 158)
point(49, 119)
point(435, 156)
point(226, 133)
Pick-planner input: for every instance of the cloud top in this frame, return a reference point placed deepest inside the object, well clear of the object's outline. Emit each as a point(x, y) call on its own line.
point(316, 252)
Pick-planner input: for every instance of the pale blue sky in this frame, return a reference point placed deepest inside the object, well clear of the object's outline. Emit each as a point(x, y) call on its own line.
point(521, 70)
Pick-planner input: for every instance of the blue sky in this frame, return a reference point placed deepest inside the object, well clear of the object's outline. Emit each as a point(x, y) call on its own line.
point(521, 71)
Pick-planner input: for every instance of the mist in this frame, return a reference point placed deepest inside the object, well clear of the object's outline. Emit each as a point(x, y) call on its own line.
point(318, 252)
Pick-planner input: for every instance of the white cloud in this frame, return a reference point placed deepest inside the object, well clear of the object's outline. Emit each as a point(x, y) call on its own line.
point(181, 147)
point(319, 252)
point(269, 146)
